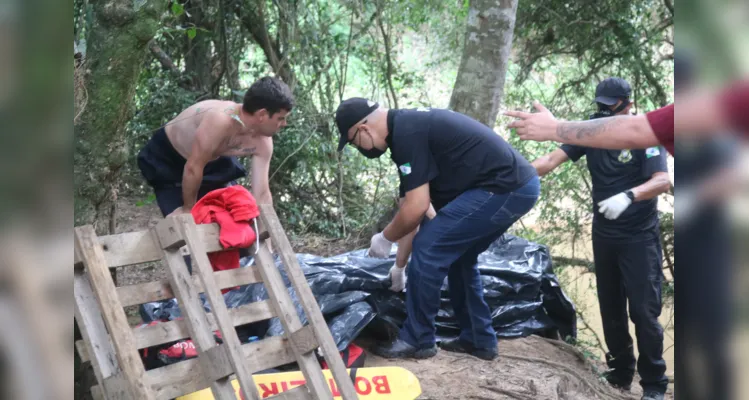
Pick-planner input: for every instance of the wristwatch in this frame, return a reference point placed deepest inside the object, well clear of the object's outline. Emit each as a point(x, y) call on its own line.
point(631, 195)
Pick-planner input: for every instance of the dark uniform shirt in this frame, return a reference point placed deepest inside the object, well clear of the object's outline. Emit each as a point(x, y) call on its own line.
point(454, 153)
point(613, 172)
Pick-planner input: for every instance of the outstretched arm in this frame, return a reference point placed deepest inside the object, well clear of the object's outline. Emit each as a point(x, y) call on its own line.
point(619, 132)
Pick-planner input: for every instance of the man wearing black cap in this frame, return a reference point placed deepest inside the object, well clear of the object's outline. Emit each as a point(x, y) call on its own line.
point(478, 184)
point(626, 244)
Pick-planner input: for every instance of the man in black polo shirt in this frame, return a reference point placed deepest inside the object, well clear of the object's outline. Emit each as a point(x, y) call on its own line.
point(478, 184)
point(626, 244)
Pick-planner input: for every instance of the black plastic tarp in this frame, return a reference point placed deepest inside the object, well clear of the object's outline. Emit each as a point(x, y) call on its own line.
point(352, 290)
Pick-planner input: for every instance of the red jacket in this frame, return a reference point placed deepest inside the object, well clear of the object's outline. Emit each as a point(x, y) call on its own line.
point(233, 208)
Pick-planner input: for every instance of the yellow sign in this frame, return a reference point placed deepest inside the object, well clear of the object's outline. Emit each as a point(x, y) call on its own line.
point(386, 383)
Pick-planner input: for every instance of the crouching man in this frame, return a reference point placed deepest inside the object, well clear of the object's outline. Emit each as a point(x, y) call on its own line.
point(479, 186)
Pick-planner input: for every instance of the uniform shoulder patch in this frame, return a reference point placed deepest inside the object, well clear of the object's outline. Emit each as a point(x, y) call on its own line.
point(652, 152)
point(405, 169)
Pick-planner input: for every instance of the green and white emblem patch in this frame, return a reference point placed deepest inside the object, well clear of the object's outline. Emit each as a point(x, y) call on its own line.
point(652, 152)
point(405, 169)
point(625, 156)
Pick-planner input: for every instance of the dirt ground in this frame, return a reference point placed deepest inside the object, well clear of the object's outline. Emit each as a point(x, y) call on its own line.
point(527, 368)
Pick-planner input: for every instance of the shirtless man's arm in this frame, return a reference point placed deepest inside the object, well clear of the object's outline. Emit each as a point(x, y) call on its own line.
point(213, 130)
point(260, 170)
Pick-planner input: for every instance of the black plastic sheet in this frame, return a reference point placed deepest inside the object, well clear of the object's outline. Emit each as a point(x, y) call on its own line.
point(520, 288)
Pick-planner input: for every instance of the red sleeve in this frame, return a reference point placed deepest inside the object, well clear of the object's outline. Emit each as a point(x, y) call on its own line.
point(735, 102)
point(662, 123)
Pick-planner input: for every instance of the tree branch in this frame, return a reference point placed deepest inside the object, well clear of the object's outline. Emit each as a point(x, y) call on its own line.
point(289, 156)
point(669, 5)
point(224, 44)
point(254, 22)
point(388, 59)
point(163, 58)
point(353, 38)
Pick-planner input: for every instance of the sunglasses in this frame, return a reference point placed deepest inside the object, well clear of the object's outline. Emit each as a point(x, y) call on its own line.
point(357, 132)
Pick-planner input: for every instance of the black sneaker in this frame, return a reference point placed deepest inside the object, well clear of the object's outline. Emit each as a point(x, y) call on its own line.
point(401, 349)
point(457, 346)
point(651, 395)
point(617, 381)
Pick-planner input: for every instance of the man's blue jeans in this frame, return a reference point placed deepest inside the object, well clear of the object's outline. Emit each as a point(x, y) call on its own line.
point(449, 245)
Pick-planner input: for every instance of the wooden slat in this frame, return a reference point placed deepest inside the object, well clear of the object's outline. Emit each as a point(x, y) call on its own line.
point(296, 393)
point(96, 393)
point(169, 331)
point(186, 376)
point(132, 295)
point(309, 304)
point(80, 347)
point(215, 363)
point(165, 332)
point(138, 247)
point(96, 339)
point(112, 311)
point(216, 299)
point(116, 388)
point(192, 309)
point(304, 340)
point(286, 313)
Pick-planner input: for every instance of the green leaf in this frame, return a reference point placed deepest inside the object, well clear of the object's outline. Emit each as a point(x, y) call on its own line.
point(192, 32)
point(177, 9)
point(150, 199)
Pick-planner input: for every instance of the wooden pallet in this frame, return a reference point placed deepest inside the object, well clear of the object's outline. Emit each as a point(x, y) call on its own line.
point(112, 345)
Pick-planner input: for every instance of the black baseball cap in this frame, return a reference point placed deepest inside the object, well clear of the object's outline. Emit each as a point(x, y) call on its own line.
point(611, 90)
point(349, 112)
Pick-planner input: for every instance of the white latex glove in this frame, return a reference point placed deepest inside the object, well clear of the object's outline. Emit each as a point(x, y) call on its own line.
point(379, 247)
point(397, 278)
point(614, 206)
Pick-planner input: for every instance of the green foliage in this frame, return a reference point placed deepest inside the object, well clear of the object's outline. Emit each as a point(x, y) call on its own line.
point(148, 200)
point(335, 49)
point(177, 9)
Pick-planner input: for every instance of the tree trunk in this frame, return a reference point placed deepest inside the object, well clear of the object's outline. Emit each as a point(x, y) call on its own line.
point(117, 42)
point(198, 50)
point(253, 17)
point(479, 87)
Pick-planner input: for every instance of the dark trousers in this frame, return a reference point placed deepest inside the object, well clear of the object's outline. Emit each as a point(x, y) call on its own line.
point(448, 246)
point(632, 272)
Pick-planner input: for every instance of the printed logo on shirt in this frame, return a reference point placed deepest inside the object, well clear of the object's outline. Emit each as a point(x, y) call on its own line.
point(625, 156)
point(405, 169)
point(652, 152)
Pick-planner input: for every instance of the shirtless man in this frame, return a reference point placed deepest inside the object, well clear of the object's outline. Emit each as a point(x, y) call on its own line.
point(197, 151)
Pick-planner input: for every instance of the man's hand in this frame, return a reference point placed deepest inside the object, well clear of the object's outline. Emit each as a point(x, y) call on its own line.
point(397, 278)
point(178, 211)
point(540, 127)
point(614, 206)
point(379, 247)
